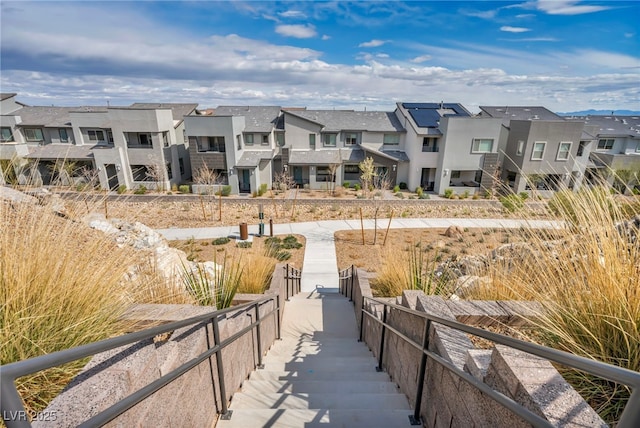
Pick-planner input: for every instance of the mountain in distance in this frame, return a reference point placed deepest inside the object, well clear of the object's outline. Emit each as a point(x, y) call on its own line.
point(601, 113)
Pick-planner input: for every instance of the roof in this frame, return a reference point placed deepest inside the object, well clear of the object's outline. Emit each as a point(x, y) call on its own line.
point(395, 155)
point(179, 111)
point(256, 118)
point(314, 157)
point(351, 120)
point(352, 155)
point(61, 151)
point(251, 158)
point(428, 115)
point(614, 126)
point(6, 95)
point(45, 116)
point(520, 113)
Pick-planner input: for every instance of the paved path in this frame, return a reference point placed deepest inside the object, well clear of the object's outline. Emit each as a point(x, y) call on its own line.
point(320, 268)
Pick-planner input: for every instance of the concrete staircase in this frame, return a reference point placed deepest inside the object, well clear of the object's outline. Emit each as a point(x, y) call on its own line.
point(318, 375)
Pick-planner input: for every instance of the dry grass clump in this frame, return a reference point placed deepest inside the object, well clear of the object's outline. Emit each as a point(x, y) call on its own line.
point(60, 287)
point(257, 272)
point(589, 285)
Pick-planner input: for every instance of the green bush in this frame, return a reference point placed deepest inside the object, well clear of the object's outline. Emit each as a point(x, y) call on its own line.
point(184, 188)
point(448, 193)
point(140, 190)
point(263, 189)
point(403, 185)
point(226, 190)
point(357, 187)
point(464, 194)
point(121, 189)
point(245, 244)
point(346, 184)
point(220, 241)
point(399, 195)
point(424, 196)
point(512, 203)
point(524, 195)
point(419, 190)
point(282, 255)
point(396, 188)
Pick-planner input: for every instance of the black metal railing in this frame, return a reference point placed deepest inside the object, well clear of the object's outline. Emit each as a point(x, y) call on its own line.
point(630, 417)
point(13, 411)
point(346, 279)
point(292, 280)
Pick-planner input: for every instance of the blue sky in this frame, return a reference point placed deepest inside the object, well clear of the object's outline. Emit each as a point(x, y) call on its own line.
point(565, 55)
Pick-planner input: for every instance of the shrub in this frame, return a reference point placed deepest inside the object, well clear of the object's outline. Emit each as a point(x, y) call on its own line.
point(464, 194)
point(244, 244)
point(403, 185)
point(399, 195)
point(346, 184)
point(424, 196)
point(215, 287)
point(448, 193)
point(357, 187)
point(524, 195)
point(141, 190)
point(184, 188)
point(396, 188)
point(257, 272)
point(589, 287)
point(121, 189)
point(221, 241)
point(262, 189)
point(226, 190)
point(512, 203)
point(419, 191)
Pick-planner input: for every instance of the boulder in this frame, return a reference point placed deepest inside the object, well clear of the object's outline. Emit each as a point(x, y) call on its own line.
point(454, 232)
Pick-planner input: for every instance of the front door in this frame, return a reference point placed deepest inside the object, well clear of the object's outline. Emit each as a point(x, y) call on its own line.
point(112, 176)
point(245, 181)
point(297, 174)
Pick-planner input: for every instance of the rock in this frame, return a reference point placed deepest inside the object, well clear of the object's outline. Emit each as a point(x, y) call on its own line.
point(467, 284)
point(454, 232)
point(473, 265)
point(9, 194)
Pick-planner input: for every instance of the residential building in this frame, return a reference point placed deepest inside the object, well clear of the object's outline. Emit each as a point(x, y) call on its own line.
point(541, 148)
point(139, 145)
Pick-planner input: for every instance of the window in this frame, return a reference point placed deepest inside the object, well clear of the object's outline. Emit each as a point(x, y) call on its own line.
point(248, 139)
point(96, 135)
point(145, 139)
point(6, 136)
point(430, 144)
point(181, 163)
point(455, 174)
point(33, 134)
point(239, 141)
point(64, 136)
point(605, 144)
point(165, 139)
point(323, 174)
point(110, 136)
point(520, 149)
point(329, 140)
point(350, 138)
point(169, 171)
point(312, 141)
point(638, 148)
point(581, 147)
point(391, 139)
point(564, 150)
point(141, 173)
point(209, 144)
point(280, 138)
point(482, 145)
point(538, 150)
point(265, 139)
point(351, 169)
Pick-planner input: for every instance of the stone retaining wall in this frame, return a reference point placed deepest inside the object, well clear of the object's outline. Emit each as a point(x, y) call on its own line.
point(191, 400)
point(447, 399)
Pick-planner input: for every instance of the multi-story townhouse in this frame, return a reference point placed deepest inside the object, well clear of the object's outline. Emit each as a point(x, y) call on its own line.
point(140, 145)
point(327, 145)
point(616, 145)
point(541, 148)
point(450, 148)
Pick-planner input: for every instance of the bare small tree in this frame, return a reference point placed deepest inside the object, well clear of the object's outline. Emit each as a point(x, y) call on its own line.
point(283, 181)
point(206, 176)
point(90, 176)
point(333, 168)
point(156, 174)
point(368, 170)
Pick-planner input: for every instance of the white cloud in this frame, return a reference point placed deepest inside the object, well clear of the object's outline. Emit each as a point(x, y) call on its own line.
point(293, 14)
point(629, 35)
point(372, 44)
point(297, 31)
point(420, 59)
point(533, 39)
point(510, 29)
point(382, 55)
point(325, 37)
point(567, 7)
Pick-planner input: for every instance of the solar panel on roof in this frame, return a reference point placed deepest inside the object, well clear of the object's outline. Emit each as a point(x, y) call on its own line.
point(425, 117)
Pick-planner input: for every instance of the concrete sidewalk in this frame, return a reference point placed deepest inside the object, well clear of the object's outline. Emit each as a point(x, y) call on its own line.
point(320, 268)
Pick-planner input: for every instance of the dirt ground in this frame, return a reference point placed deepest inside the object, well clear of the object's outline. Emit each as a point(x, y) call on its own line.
point(370, 257)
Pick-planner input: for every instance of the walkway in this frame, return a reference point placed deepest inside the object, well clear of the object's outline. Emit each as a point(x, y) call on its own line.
point(320, 268)
point(318, 375)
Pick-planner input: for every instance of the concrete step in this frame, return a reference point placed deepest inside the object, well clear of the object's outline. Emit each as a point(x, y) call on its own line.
point(322, 418)
point(320, 351)
point(318, 375)
point(243, 400)
point(318, 363)
point(318, 387)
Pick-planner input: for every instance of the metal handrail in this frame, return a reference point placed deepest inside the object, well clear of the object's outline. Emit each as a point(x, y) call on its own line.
point(347, 277)
point(630, 416)
point(11, 402)
point(292, 281)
